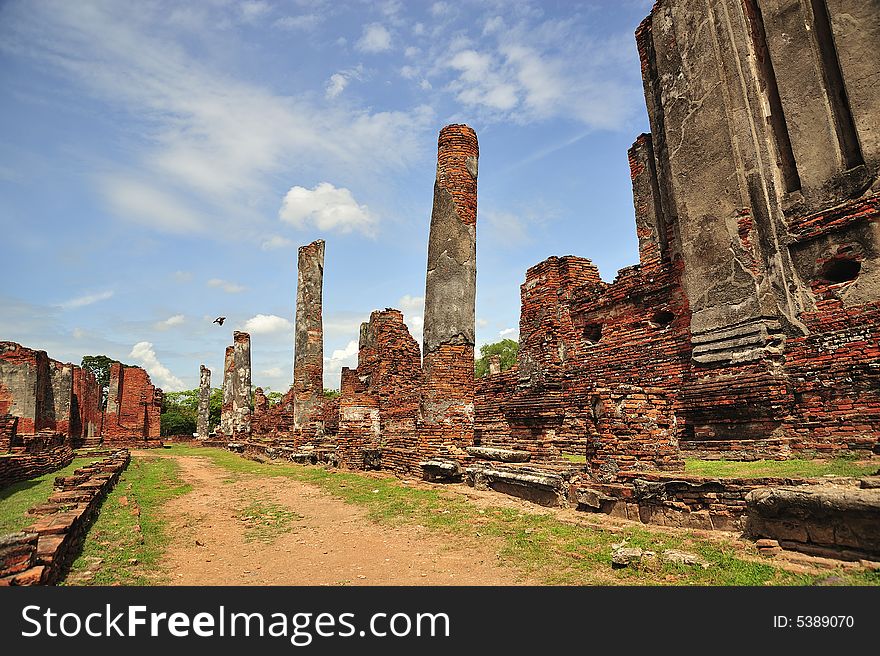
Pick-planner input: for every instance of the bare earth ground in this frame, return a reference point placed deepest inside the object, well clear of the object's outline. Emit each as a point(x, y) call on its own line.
point(330, 542)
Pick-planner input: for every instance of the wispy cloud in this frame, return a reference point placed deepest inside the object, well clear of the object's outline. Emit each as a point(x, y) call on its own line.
point(88, 299)
point(226, 286)
point(274, 242)
point(203, 144)
point(170, 322)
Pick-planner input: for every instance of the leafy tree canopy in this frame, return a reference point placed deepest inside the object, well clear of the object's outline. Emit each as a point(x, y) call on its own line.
point(506, 348)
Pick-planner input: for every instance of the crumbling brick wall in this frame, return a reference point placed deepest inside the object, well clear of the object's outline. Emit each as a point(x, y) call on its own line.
point(87, 415)
point(134, 406)
point(36, 389)
point(754, 307)
point(379, 401)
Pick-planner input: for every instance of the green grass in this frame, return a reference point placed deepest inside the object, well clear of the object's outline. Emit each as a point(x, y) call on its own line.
point(18, 497)
point(574, 458)
point(550, 550)
point(780, 468)
point(123, 547)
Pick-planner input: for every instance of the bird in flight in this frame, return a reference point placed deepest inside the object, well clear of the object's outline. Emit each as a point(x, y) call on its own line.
point(219, 320)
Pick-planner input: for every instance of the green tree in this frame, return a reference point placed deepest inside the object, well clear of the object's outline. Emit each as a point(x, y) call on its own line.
point(215, 407)
point(330, 393)
point(175, 422)
point(100, 366)
point(506, 348)
point(274, 398)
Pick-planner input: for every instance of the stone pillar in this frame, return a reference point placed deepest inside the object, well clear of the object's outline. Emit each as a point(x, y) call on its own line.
point(203, 427)
point(228, 391)
point(241, 398)
point(450, 287)
point(308, 355)
point(494, 364)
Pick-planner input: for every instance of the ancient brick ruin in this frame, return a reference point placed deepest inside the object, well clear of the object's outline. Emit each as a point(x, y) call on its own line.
point(40, 396)
point(203, 423)
point(134, 406)
point(308, 354)
point(748, 329)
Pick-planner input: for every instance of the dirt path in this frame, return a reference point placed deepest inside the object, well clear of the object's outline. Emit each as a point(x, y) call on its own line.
point(329, 541)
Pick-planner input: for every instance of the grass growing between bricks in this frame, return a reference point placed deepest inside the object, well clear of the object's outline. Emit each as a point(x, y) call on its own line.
point(781, 468)
point(18, 497)
point(126, 543)
point(538, 543)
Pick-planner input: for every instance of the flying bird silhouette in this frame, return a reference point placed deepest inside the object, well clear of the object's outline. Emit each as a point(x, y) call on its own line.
point(219, 320)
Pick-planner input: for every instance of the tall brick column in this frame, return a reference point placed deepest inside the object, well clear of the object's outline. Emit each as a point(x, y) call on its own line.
point(228, 391)
point(308, 356)
point(241, 398)
point(450, 288)
point(203, 426)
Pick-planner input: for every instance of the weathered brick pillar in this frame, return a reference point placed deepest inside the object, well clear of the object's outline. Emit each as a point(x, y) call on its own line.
point(228, 391)
point(450, 288)
point(308, 355)
point(241, 398)
point(494, 364)
point(203, 426)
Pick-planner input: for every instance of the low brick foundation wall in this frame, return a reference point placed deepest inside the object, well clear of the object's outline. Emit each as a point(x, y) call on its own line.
point(41, 553)
point(675, 499)
point(15, 467)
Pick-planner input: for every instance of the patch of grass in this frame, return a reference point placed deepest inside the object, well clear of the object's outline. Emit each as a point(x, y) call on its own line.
point(125, 544)
point(537, 543)
point(574, 458)
point(781, 468)
point(264, 521)
point(18, 497)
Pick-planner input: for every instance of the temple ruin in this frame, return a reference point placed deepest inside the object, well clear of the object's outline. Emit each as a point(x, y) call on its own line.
point(748, 329)
point(39, 395)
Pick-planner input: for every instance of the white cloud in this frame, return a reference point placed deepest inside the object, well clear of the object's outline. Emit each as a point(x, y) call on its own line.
point(339, 80)
point(534, 71)
point(161, 376)
point(335, 85)
point(272, 372)
point(263, 324)
point(481, 83)
point(375, 38)
point(274, 242)
point(413, 308)
point(344, 357)
point(88, 299)
point(327, 208)
point(226, 286)
point(482, 323)
point(509, 333)
point(170, 322)
point(182, 276)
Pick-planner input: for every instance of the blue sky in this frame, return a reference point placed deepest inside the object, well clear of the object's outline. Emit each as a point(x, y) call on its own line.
point(160, 162)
